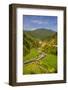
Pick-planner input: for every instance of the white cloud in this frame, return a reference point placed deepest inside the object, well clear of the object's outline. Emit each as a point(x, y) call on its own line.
point(33, 28)
point(39, 22)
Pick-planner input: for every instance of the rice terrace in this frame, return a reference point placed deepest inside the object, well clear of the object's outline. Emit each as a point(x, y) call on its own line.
point(39, 44)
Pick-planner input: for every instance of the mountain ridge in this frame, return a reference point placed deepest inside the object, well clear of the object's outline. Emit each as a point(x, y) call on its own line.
point(39, 29)
point(41, 34)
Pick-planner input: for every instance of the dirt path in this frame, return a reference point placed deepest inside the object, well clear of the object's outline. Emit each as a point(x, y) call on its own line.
point(42, 55)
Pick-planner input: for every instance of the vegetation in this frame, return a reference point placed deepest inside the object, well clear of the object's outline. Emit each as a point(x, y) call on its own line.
point(40, 52)
point(42, 34)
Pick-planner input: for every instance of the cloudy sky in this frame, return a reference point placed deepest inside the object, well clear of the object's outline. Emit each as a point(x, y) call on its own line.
point(32, 22)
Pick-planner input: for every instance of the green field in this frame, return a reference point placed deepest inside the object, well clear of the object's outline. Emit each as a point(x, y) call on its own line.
point(47, 64)
point(40, 56)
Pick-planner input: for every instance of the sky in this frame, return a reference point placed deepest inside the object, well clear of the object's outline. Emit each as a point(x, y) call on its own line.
point(33, 22)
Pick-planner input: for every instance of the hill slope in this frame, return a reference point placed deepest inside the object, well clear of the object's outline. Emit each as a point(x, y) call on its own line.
point(41, 57)
point(31, 39)
point(27, 43)
point(41, 34)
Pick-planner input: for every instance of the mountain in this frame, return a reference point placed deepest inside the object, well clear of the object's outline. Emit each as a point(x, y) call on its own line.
point(41, 33)
point(31, 39)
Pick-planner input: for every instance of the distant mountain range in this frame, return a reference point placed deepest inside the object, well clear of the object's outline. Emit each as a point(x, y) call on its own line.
point(41, 33)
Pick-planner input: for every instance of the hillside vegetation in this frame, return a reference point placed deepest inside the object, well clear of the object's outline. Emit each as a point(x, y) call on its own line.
point(40, 51)
point(41, 34)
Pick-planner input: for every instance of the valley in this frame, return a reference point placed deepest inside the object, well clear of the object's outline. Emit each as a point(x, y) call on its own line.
point(40, 52)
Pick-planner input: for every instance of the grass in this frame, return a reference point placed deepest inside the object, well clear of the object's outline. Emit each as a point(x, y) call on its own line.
point(50, 62)
point(33, 54)
point(32, 68)
point(46, 65)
